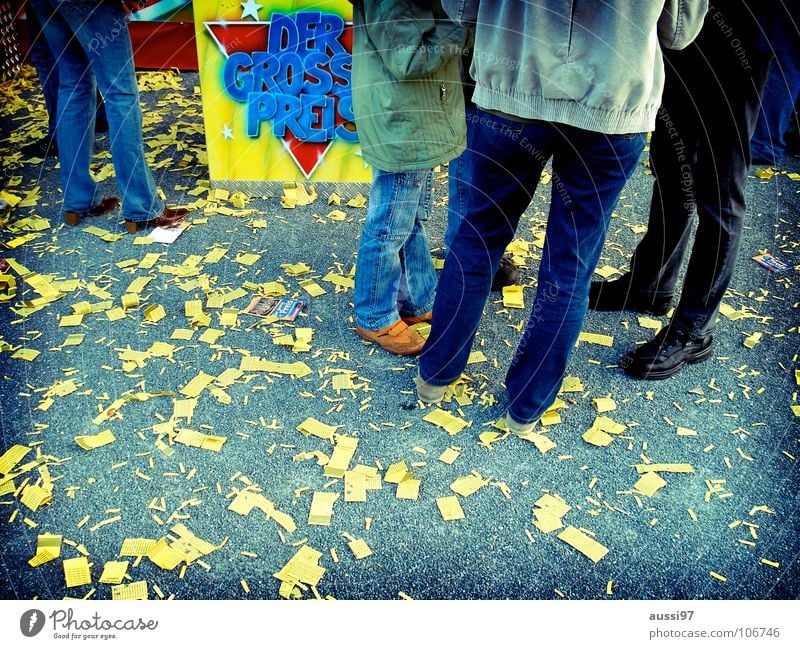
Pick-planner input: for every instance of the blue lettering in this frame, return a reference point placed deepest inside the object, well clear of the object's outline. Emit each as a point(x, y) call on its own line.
point(265, 67)
point(326, 34)
point(282, 34)
point(315, 73)
point(347, 131)
point(238, 85)
point(288, 112)
point(341, 66)
point(318, 124)
point(260, 108)
point(290, 77)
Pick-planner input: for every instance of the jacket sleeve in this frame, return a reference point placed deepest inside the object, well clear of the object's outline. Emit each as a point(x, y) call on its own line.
point(411, 43)
point(680, 22)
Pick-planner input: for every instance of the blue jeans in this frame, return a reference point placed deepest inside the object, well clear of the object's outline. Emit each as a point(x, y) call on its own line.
point(42, 59)
point(777, 104)
point(90, 41)
point(394, 272)
point(505, 159)
point(458, 184)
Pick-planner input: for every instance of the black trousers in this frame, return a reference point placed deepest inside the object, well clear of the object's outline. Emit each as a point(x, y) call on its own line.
point(700, 156)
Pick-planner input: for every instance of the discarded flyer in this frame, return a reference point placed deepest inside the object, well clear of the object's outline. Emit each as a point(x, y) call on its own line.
point(167, 235)
point(771, 263)
point(288, 309)
point(261, 307)
point(283, 309)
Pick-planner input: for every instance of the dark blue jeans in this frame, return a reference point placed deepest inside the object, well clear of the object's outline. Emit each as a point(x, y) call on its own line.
point(458, 184)
point(43, 60)
point(700, 157)
point(503, 164)
point(780, 96)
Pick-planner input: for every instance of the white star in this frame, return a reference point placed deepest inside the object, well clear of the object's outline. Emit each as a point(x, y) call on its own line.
point(250, 8)
point(227, 133)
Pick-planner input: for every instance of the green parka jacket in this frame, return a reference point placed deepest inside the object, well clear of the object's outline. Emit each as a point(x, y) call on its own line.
point(407, 95)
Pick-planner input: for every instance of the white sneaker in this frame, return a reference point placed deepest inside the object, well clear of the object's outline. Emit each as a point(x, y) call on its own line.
point(427, 392)
point(518, 428)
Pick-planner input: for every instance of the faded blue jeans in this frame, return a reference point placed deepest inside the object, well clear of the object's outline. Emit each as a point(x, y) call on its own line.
point(394, 272)
point(42, 59)
point(92, 47)
point(504, 160)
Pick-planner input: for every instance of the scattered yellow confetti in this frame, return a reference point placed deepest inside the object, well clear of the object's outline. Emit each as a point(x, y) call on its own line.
point(450, 508)
point(449, 455)
point(444, 419)
point(76, 572)
point(90, 442)
point(596, 339)
point(650, 483)
point(321, 510)
point(583, 543)
point(408, 489)
point(359, 548)
point(114, 572)
point(136, 590)
point(604, 404)
point(513, 297)
point(48, 547)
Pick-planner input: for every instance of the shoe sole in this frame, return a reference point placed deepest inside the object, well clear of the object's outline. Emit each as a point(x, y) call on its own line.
point(636, 308)
point(412, 320)
point(133, 226)
point(658, 375)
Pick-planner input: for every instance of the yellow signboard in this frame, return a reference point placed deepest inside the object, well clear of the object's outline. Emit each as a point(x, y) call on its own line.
point(276, 89)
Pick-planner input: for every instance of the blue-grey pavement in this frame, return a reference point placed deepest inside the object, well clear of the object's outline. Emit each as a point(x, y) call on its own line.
point(702, 536)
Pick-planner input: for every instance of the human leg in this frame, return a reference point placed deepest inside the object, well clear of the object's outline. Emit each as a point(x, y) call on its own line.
point(730, 112)
point(768, 144)
point(417, 276)
point(42, 59)
point(101, 30)
point(589, 173)
point(458, 185)
point(505, 159)
point(721, 173)
point(74, 126)
point(392, 220)
point(654, 266)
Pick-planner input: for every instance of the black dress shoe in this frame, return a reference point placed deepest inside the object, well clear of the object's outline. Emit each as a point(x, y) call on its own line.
point(666, 354)
point(619, 295)
point(507, 275)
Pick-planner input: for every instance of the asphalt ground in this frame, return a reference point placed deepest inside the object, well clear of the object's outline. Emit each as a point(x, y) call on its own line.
point(726, 530)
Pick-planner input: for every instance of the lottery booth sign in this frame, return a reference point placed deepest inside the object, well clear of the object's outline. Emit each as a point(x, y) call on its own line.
point(275, 80)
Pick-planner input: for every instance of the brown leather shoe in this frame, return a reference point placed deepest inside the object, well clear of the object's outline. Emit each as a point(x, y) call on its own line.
point(416, 319)
point(397, 338)
point(169, 218)
point(103, 207)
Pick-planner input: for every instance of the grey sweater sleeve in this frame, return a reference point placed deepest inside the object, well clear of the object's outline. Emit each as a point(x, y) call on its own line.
point(680, 22)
